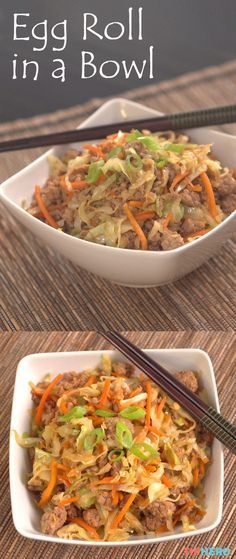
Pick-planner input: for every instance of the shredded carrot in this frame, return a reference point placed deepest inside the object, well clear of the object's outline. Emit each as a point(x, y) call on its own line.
point(178, 178)
point(148, 404)
point(114, 496)
point(153, 429)
point(160, 406)
point(195, 187)
point(79, 184)
point(87, 527)
point(90, 380)
point(45, 395)
point(104, 480)
point(150, 468)
point(49, 489)
point(141, 216)
point(167, 419)
point(63, 479)
point(141, 436)
point(135, 203)
point(162, 529)
point(195, 477)
point(50, 209)
point(139, 232)
point(210, 195)
point(201, 468)
point(63, 407)
point(66, 187)
point(46, 214)
point(95, 150)
point(96, 420)
point(198, 233)
point(135, 392)
point(69, 500)
point(167, 220)
point(105, 393)
point(166, 481)
point(66, 444)
point(62, 467)
point(123, 511)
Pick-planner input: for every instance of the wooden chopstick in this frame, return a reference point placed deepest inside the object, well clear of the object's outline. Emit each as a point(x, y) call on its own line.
point(175, 121)
point(208, 416)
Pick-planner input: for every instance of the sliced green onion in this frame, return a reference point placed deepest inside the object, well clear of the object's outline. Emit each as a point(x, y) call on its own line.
point(136, 164)
point(114, 152)
point(95, 171)
point(178, 148)
point(116, 454)
point(123, 434)
point(149, 142)
point(133, 412)
point(93, 438)
point(75, 413)
point(160, 163)
point(149, 452)
point(104, 413)
point(133, 136)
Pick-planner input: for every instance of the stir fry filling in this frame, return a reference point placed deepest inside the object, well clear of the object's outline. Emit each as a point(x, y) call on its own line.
point(113, 456)
point(137, 190)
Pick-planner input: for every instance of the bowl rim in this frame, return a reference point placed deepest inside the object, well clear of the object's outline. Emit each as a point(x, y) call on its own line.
point(85, 243)
point(175, 536)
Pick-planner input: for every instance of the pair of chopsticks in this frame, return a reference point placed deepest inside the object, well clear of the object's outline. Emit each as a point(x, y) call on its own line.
point(175, 121)
point(222, 429)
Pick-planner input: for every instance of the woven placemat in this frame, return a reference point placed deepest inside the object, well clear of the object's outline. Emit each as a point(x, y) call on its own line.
point(14, 346)
point(41, 290)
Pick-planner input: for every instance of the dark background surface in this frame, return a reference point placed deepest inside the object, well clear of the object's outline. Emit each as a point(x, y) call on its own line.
point(187, 35)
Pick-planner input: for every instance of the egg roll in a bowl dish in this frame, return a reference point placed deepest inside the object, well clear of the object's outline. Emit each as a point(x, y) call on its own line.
point(112, 456)
point(136, 190)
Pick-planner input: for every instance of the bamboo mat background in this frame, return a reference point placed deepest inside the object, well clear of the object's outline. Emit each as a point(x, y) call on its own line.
point(42, 291)
point(14, 346)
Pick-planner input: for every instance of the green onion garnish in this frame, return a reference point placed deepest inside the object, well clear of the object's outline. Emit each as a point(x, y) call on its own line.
point(160, 163)
point(104, 413)
point(133, 412)
point(178, 148)
point(149, 452)
point(149, 142)
point(95, 171)
point(114, 152)
point(136, 164)
point(116, 455)
point(75, 413)
point(123, 434)
point(93, 438)
point(133, 136)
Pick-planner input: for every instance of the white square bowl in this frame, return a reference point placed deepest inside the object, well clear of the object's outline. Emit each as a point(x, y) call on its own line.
point(134, 268)
point(26, 517)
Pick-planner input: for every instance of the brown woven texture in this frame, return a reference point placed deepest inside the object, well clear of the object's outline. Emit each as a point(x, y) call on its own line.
point(42, 291)
point(13, 346)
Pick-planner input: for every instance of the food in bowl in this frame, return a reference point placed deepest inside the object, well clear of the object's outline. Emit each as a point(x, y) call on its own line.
point(137, 190)
point(113, 456)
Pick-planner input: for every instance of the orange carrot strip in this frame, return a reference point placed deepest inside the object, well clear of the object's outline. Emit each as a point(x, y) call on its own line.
point(167, 220)
point(87, 527)
point(166, 481)
point(69, 500)
point(45, 395)
point(139, 232)
point(64, 480)
point(90, 380)
point(79, 184)
point(123, 511)
point(199, 233)
point(148, 404)
point(195, 187)
point(95, 150)
point(160, 406)
point(46, 214)
point(135, 203)
point(201, 468)
point(150, 468)
point(63, 407)
point(210, 195)
point(114, 496)
point(49, 489)
point(153, 429)
point(105, 393)
point(178, 178)
point(142, 216)
point(195, 477)
point(104, 480)
point(185, 507)
point(136, 391)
